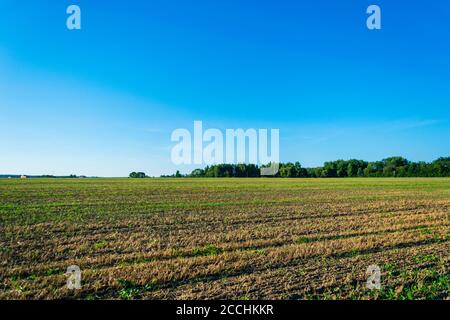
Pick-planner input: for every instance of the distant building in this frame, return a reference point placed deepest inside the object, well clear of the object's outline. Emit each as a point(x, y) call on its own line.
point(23, 177)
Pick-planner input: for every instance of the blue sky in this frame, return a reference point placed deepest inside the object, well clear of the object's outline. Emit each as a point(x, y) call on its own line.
point(104, 100)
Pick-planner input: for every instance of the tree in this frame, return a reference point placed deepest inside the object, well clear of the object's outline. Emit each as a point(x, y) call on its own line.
point(329, 170)
point(198, 173)
point(137, 175)
point(355, 168)
point(287, 170)
point(360, 172)
point(241, 170)
point(395, 162)
point(441, 167)
point(374, 169)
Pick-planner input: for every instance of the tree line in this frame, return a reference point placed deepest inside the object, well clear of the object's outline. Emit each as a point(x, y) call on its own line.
point(389, 167)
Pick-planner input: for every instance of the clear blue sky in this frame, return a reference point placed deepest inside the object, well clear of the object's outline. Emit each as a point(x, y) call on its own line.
point(104, 100)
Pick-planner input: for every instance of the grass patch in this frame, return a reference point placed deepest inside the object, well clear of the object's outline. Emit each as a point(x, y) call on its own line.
point(301, 240)
point(100, 245)
point(423, 258)
point(52, 271)
point(130, 290)
point(208, 250)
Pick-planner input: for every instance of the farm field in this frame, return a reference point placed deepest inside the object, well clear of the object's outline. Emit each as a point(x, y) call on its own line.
point(224, 238)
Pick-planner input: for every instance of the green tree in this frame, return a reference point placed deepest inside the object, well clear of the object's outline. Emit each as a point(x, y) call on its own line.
point(137, 175)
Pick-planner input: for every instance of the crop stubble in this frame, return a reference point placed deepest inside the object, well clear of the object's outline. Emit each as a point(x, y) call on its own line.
point(225, 238)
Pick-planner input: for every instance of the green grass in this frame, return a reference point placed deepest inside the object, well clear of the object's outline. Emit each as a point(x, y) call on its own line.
point(208, 250)
point(100, 244)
